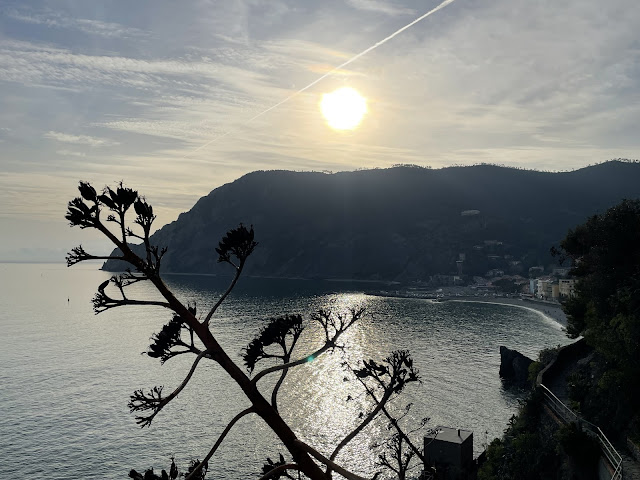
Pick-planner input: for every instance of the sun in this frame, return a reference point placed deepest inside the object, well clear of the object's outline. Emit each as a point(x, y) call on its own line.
point(343, 108)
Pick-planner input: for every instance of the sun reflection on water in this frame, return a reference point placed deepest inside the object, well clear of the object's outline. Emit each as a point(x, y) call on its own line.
point(455, 346)
point(328, 402)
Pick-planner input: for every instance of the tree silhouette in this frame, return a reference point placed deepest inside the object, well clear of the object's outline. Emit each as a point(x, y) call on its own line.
point(188, 333)
point(604, 253)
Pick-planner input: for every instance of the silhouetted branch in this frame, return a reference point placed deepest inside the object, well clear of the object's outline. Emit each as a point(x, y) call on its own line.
point(335, 325)
point(333, 328)
point(171, 336)
point(141, 401)
point(128, 278)
point(331, 464)
point(102, 302)
point(276, 333)
point(400, 458)
point(239, 243)
point(405, 435)
point(78, 254)
point(400, 461)
point(367, 420)
point(224, 433)
point(282, 332)
point(80, 214)
point(223, 297)
point(390, 376)
point(280, 469)
point(276, 388)
point(154, 400)
point(157, 256)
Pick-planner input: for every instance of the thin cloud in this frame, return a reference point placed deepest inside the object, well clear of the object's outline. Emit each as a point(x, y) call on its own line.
point(71, 153)
point(380, 7)
point(80, 139)
point(84, 25)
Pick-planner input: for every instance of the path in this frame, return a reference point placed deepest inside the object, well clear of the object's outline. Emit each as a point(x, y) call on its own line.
point(556, 381)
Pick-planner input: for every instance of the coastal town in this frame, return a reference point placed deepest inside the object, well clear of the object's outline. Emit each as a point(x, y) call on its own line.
point(542, 291)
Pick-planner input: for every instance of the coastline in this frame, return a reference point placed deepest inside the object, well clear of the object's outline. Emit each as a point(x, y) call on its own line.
point(550, 310)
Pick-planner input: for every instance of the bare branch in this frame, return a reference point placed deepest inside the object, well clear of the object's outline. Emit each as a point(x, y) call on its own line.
point(102, 302)
point(367, 420)
point(331, 464)
point(78, 254)
point(280, 469)
point(333, 328)
point(128, 278)
point(401, 433)
point(390, 376)
point(223, 297)
point(239, 243)
point(140, 402)
point(307, 359)
point(224, 433)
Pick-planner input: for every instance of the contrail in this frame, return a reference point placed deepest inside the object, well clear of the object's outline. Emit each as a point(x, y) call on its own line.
point(332, 71)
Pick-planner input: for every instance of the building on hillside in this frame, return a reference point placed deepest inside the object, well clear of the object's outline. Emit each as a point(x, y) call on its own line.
point(495, 272)
point(561, 271)
point(545, 289)
point(567, 287)
point(535, 271)
point(450, 451)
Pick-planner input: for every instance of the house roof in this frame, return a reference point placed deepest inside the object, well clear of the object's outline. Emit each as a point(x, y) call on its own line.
point(451, 435)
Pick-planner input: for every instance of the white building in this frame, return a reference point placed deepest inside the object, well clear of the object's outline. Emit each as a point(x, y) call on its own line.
point(567, 287)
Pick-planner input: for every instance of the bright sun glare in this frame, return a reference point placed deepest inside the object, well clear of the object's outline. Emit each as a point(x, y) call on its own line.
point(343, 108)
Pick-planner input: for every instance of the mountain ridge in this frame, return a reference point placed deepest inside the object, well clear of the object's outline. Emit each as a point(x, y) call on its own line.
point(403, 223)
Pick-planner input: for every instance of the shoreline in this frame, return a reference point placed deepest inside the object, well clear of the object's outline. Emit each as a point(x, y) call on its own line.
point(550, 310)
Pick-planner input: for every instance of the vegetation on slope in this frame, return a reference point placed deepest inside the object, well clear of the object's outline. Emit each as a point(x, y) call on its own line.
point(605, 252)
point(403, 223)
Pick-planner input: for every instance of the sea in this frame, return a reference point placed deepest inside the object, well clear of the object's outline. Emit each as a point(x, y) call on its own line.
point(66, 374)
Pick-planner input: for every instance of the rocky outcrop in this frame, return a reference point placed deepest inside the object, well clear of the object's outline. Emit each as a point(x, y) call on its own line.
point(514, 366)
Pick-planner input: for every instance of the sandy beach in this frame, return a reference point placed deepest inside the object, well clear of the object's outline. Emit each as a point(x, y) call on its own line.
point(550, 309)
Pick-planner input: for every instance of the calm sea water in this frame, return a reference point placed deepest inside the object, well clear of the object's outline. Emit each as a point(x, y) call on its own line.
point(66, 374)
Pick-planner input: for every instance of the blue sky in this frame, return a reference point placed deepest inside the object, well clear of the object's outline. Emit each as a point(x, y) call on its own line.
point(160, 93)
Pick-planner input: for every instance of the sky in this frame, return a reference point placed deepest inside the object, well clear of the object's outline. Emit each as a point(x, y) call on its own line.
point(174, 98)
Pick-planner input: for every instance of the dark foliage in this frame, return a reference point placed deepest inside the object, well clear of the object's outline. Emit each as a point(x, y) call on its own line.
point(237, 242)
point(605, 253)
point(172, 475)
point(527, 451)
point(166, 339)
point(270, 465)
point(276, 332)
point(583, 449)
point(395, 371)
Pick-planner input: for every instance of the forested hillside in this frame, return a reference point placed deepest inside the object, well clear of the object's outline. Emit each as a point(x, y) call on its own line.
point(403, 223)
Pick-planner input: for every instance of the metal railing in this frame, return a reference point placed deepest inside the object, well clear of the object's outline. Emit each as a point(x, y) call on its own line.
point(560, 409)
point(610, 453)
point(613, 458)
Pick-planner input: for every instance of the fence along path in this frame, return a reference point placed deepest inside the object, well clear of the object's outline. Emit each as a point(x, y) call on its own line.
point(555, 373)
point(566, 415)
